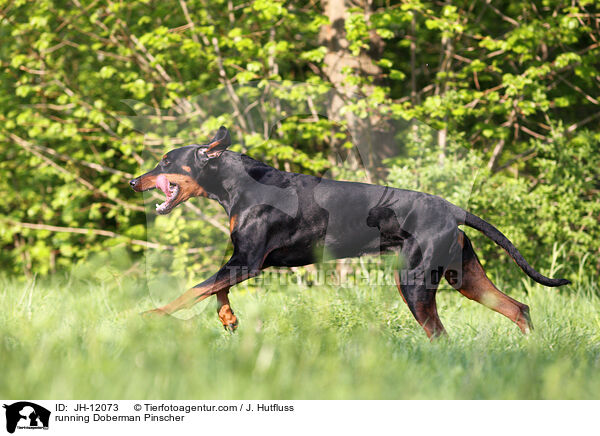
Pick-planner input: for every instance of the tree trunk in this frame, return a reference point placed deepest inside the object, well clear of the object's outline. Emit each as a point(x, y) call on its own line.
point(338, 57)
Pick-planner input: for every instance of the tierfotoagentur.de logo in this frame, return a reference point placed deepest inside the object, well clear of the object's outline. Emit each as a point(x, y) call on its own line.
point(24, 415)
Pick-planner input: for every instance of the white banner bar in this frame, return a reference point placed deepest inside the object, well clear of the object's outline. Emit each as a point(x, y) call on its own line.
point(298, 417)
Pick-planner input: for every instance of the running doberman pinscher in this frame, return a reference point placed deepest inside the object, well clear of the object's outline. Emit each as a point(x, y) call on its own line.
point(286, 219)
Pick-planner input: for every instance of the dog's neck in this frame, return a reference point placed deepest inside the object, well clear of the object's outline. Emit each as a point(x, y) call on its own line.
point(226, 182)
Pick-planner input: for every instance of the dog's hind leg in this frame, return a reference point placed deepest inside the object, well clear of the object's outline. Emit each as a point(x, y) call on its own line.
point(417, 293)
point(475, 285)
point(421, 302)
point(226, 315)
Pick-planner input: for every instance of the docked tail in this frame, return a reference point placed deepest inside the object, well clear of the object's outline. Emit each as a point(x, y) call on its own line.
point(495, 235)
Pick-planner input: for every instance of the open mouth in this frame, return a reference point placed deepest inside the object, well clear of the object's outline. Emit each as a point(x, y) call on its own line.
point(171, 190)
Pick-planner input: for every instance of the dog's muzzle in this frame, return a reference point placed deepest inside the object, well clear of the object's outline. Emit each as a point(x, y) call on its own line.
point(135, 183)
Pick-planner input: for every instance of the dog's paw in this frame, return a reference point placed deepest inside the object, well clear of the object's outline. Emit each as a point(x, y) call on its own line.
point(231, 327)
point(154, 313)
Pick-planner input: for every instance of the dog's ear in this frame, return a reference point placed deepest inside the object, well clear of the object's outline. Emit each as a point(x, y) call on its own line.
point(219, 143)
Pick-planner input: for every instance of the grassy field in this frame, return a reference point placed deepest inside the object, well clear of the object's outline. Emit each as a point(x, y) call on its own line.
point(74, 339)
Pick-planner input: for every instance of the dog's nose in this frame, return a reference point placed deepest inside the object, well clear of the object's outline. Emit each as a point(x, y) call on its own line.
point(133, 183)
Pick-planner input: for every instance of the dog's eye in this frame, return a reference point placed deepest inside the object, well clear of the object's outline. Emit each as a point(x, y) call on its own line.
point(166, 162)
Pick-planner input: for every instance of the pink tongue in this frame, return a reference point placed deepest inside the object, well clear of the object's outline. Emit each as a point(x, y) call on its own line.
point(162, 183)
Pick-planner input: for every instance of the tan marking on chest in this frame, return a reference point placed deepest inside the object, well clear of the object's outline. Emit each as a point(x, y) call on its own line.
point(232, 222)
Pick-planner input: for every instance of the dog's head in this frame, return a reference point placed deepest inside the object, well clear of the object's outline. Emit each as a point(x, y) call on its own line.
point(180, 171)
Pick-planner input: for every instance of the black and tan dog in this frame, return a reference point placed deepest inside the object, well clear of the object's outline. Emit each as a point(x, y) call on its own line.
point(285, 219)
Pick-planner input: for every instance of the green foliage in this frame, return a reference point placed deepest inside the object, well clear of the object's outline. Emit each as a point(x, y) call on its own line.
point(512, 83)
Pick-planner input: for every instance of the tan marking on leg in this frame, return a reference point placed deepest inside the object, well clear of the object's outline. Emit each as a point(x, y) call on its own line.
point(397, 279)
point(190, 298)
point(477, 286)
point(228, 319)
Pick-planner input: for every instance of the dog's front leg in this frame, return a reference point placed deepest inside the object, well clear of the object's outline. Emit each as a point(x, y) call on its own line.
point(226, 315)
point(234, 271)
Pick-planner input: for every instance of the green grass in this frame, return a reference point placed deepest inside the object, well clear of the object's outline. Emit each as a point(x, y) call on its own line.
point(76, 339)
